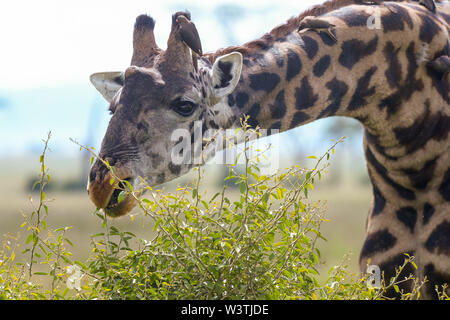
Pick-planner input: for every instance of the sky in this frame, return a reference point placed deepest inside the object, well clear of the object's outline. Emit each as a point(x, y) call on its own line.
point(48, 42)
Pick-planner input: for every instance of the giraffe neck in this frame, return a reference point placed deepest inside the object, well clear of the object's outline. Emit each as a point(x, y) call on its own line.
point(301, 77)
point(379, 77)
point(376, 77)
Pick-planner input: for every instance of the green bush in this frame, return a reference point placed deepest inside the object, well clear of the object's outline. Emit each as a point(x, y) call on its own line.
point(261, 246)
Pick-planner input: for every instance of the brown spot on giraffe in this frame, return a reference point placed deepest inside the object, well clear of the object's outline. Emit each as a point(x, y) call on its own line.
point(379, 76)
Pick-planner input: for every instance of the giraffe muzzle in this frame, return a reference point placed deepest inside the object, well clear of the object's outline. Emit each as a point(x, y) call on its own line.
point(105, 193)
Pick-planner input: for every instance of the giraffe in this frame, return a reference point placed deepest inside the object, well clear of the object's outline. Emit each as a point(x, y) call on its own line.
point(373, 61)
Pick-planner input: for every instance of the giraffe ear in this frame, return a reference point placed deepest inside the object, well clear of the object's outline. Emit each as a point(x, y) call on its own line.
point(108, 83)
point(226, 72)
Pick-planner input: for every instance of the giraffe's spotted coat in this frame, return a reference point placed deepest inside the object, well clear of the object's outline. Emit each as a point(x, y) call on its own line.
point(322, 65)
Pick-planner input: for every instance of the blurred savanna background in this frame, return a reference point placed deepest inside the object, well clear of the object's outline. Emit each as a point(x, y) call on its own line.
point(49, 49)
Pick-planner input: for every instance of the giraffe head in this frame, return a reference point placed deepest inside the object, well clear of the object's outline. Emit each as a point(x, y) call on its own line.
point(160, 92)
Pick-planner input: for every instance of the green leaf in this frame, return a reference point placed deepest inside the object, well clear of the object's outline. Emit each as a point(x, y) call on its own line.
point(34, 185)
point(66, 260)
point(81, 264)
point(122, 196)
point(205, 204)
point(242, 187)
point(114, 230)
point(128, 184)
point(308, 175)
point(29, 238)
point(68, 241)
point(265, 197)
point(214, 197)
point(98, 235)
point(279, 193)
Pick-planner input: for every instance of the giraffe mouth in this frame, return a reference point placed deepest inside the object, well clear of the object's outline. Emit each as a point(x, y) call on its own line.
point(115, 200)
point(120, 202)
point(112, 197)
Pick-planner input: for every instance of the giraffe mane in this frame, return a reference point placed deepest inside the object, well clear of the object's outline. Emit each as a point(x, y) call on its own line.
point(283, 30)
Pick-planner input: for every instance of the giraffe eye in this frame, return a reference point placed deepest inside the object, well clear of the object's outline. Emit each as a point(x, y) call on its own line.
point(183, 107)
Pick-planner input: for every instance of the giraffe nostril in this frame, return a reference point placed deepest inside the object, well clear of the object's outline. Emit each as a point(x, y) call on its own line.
point(99, 170)
point(92, 176)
